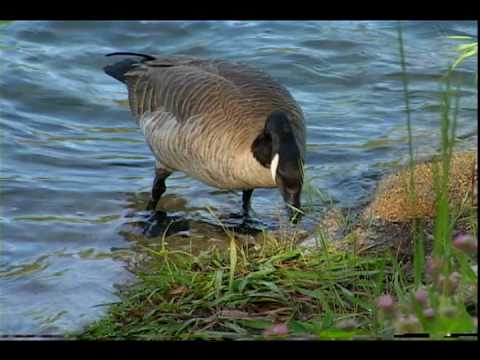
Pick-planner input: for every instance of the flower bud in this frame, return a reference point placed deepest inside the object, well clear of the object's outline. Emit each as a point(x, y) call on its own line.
point(454, 281)
point(448, 285)
point(386, 303)
point(276, 330)
point(429, 313)
point(421, 296)
point(466, 243)
point(433, 266)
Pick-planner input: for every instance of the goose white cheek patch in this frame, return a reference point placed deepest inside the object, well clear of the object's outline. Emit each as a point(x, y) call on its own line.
point(274, 166)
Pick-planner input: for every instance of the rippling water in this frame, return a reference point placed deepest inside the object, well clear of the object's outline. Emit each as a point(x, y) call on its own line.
point(73, 164)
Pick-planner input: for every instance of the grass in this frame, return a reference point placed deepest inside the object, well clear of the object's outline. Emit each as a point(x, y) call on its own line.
point(241, 293)
point(465, 51)
point(335, 290)
point(417, 238)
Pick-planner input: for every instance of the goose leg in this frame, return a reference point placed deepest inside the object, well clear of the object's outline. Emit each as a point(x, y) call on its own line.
point(158, 187)
point(246, 199)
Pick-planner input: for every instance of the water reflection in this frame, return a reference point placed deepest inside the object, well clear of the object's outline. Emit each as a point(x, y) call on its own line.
point(159, 223)
point(174, 217)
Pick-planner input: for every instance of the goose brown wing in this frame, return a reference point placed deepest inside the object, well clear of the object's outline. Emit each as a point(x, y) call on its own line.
point(180, 86)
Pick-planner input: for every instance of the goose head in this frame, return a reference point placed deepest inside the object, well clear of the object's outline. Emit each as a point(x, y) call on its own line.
point(277, 148)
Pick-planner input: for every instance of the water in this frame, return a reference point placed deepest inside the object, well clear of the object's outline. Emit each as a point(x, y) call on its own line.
point(75, 171)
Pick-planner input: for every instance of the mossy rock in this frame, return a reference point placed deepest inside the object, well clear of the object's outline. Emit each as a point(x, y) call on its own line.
point(393, 203)
point(386, 223)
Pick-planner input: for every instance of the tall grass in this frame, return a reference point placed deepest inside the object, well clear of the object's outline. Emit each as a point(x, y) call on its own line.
point(416, 229)
point(466, 50)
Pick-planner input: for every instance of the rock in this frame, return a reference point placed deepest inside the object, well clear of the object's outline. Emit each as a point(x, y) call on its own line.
point(386, 223)
point(392, 201)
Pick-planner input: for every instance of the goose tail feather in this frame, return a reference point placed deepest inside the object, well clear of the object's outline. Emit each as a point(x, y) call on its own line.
point(119, 69)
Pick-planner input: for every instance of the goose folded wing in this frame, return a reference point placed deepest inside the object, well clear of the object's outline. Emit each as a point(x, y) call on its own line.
point(180, 89)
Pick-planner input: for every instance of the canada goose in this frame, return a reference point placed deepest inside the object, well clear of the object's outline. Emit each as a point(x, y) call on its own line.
point(226, 124)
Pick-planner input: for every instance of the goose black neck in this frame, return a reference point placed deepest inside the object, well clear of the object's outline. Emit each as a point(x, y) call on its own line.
point(276, 138)
point(281, 132)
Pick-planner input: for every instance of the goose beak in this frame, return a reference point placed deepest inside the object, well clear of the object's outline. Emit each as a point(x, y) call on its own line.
point(293, 206)
point(291, 196)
